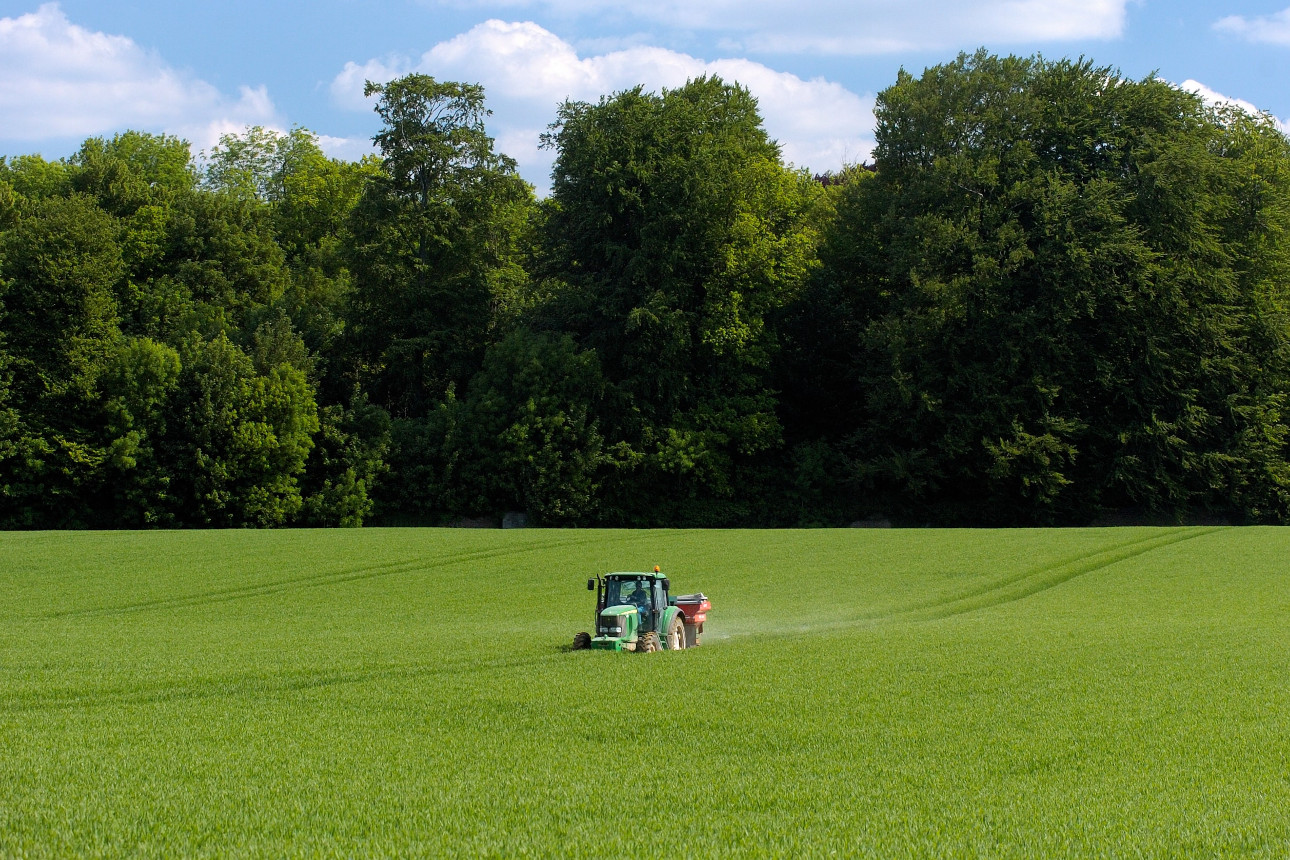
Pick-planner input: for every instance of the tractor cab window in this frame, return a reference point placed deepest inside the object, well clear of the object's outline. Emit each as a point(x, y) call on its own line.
point(628, 592)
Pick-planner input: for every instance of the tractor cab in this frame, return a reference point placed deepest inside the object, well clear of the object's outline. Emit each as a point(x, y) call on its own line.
point(645, 592)
point(635, 612)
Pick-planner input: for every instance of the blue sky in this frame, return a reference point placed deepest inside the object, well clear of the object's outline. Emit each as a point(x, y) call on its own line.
point(73, 69)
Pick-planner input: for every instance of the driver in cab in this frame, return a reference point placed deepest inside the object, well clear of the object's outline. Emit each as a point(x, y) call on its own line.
point(637, 595)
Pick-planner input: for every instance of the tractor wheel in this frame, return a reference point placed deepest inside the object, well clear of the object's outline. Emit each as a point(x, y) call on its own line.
point(676, 634)
point(647, 643)
point(581, 641)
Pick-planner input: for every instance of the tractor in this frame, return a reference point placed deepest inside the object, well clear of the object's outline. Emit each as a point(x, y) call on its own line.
point(634, 612)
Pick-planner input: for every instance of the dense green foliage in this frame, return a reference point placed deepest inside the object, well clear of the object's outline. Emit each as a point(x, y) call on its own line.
point(677, 234)
point(156, 375)
point(1065, 291)
point(869, 693)
point(1056, 295)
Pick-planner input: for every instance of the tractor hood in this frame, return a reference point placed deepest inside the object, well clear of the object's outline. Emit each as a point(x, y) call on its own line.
point(616, 627)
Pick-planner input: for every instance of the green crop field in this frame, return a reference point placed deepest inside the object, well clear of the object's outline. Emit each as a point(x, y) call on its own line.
point(886, 693)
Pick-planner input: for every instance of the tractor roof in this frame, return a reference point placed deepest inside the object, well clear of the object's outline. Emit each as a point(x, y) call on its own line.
point(627, 574)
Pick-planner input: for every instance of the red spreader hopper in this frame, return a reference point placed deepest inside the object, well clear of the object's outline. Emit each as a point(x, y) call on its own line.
point(694, 608)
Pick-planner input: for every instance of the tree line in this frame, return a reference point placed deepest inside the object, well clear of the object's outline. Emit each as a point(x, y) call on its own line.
point(1055, 293)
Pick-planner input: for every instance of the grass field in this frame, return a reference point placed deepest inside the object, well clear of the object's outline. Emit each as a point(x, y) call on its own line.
point(887, 693)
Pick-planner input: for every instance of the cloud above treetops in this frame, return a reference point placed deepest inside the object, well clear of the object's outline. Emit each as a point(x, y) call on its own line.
point(1213, 98)
point(60, 80)
point(1271, 29)
point(527, 72)
point(846, 27)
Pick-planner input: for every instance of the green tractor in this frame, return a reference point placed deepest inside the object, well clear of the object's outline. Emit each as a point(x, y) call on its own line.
point(634, 612)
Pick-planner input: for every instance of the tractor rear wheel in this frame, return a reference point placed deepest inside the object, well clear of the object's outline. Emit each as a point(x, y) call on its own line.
point(676, 634)
point(647, 643)
point(581, 641)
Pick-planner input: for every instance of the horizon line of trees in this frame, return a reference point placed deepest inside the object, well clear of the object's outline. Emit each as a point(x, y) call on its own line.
point(1056, 293)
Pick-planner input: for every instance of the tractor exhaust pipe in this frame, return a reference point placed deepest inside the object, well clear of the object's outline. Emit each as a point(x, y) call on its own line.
point(597, 584)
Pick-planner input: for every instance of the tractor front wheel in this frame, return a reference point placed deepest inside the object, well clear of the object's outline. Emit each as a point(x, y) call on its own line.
point(676, 634)
point(647, 643)
point(581, 641)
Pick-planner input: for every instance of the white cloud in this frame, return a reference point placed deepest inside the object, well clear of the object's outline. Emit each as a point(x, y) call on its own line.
point(59, 80)
point(347, 87)
point(1272, 29)
point(528, 71)
point(857, 26)
point(1214, 99)
point(345, 148)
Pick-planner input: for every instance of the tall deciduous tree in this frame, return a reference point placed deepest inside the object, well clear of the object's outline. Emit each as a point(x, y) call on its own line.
point(61, 267)
point(527, 433)
point(679, 234)
point(1066, 289)
point(237, 437)
point(435, 243)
